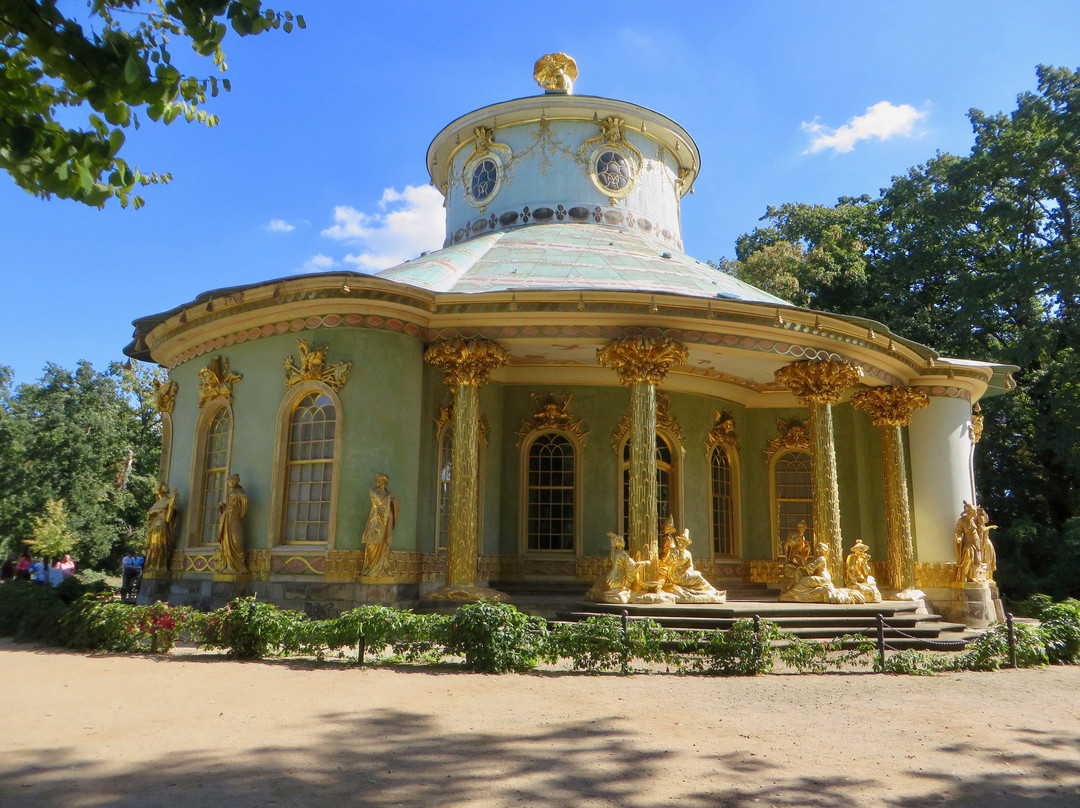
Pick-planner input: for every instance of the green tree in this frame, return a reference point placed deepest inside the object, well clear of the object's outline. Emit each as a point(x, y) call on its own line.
point(978, 257)
point(104, 67)
point(69, 437)
point(52, 536)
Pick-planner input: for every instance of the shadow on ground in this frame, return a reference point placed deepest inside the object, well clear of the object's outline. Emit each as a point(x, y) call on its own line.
point(400, 758)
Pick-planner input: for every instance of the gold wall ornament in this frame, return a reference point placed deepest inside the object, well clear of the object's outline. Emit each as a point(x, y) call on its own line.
point(890, 406)
point(722, 432)
point(258, 563)
point(551, 414)
point(313, 367)
point(216, 381)
point(976, 423)
point(161, 522)
point(819, 380)
point(466, 362)
point(379, 530)
point(343, 566)
point(642, 359)
point(612, 133)
point(556, 72)
point(665, 422)
point(230, 555)
point(890, 409)
point(793, 434)
point(164, 395)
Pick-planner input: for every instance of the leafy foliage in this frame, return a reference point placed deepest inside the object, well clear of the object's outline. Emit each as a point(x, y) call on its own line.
point(495, 637)
point(54, 70)
point(742, 650)
point(52, 537)
point(979, 257)
point(599, 643)
point(250, 629)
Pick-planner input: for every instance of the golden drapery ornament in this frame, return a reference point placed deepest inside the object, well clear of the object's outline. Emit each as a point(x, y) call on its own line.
point(642, 359)
point(466, 362)
point(722, 432)
point(165, 395)
point(556, 72)
point(890, 406)
point(551, 414)
point(819, 380)
point(216, 381)
point(313, 367)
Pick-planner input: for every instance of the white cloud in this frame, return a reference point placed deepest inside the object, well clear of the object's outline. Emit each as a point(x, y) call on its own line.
point(407, 223)
point(318, 263)
point(278, 226)
point(882, 121)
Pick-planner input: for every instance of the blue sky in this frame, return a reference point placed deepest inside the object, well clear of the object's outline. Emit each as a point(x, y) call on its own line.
point(319, 159)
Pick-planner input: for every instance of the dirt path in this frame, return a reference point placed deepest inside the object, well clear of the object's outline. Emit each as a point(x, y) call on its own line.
point(193, 730)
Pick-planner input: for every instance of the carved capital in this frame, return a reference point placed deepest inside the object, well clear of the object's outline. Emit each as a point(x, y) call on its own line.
point(313, 367)
point(216, 381)
point(466, 362)
point(165, 395)
point(820, 380)
point(642, 359)
point(890, 406)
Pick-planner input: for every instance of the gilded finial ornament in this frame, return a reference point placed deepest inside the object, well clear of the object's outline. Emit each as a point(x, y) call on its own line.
point(216, 381)
point(556, 73)
point(313, 367)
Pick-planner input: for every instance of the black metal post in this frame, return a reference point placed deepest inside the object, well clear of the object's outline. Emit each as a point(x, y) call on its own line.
point(758, 649)
point(1012, 640)
point(626, 642)
point(881, 641)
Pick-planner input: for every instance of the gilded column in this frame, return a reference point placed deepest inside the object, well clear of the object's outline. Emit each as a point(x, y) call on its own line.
point(642, 363)
point(890, 409)
point(818, 384)
point(466, 365)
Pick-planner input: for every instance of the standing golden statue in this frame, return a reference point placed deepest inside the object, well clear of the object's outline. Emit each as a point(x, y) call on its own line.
point(969, 567)
point(230, 555)
point(682, 580)
point(986, 547)
point(160, 524)
point(857, 573)
point(379, 531)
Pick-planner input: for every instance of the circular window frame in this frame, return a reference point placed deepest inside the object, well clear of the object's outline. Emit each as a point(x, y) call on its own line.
point(594, 175)
point(467, 179)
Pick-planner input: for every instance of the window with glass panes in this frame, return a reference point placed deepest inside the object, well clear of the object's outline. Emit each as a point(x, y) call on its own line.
point(723, 503)
point(215, 470)
point(794, 492)
point(550, 495)
point(309, 470)
point(665, 472)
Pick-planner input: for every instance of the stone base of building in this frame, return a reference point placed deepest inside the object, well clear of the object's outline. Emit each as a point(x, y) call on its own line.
point(976, 604)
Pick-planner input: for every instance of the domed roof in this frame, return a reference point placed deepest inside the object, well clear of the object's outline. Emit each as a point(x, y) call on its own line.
point(570, 256)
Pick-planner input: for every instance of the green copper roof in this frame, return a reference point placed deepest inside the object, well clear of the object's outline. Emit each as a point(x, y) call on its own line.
point(570, 256)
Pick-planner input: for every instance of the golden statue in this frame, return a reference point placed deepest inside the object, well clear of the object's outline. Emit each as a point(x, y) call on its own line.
point(556, 72)
point(160, 524)
point(683, 581)
point(969, 567)
point(216, 380)
point(621, 580)
point(379, 531)
point(313, 367)
point(857, 573)
point(811, 582)
point(986, 547)
point(230, 555)
point(797, 548)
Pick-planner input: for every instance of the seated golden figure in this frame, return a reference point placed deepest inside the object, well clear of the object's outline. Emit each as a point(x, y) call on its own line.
point(812, 583)
point(683, 581)
point(857, 572)
point(623, 583)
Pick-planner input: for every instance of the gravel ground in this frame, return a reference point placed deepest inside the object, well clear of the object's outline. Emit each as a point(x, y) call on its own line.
point(196, 730)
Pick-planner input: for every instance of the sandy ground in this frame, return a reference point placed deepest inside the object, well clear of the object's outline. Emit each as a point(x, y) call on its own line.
point(196, 730)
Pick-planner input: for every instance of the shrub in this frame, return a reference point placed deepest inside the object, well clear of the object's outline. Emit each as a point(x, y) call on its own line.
point(495, 637)
point(806, 656)
point(248, 629)
point(1060, 632)
point(31, 612)
point(990, 650)
point(739, 651)
point(599, 643)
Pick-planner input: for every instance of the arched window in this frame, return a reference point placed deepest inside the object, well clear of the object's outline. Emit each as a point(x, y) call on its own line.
point(309, 470)
point(722, 496)
point(214, 470)
point(550, 495)
point(793, 493)
point(666, 484)
point(442, 495)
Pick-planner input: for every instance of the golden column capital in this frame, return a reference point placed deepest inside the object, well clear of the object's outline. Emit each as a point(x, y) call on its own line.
point(466, 362)
point(642, 359)
point(819, 380)
point(890, 406)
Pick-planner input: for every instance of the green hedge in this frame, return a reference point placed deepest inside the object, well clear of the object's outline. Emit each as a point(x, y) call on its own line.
point(495, 637)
